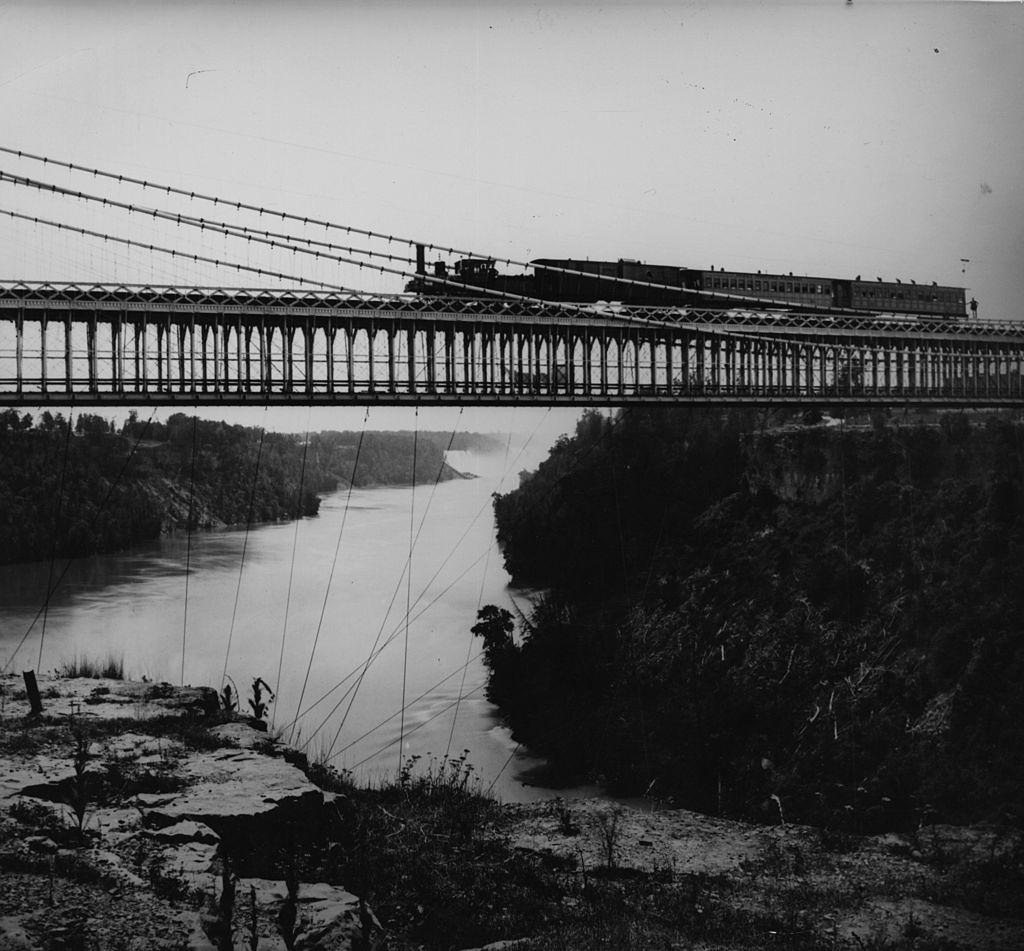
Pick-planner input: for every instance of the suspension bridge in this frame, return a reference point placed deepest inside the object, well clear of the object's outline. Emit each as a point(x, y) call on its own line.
point(298, 337)
point(310, 341)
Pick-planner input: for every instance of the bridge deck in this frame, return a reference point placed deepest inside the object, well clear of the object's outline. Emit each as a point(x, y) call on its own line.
point(119, 344)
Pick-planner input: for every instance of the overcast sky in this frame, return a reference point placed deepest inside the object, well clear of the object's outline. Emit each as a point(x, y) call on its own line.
point(823, 137)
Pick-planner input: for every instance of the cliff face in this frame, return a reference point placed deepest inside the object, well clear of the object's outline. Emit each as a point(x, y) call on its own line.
point(742, 617)
point(811, 464)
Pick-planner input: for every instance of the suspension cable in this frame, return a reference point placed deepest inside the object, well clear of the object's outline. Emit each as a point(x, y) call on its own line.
point(206, 224)
point(351, 229)
point(569, 308)
point(195, 258)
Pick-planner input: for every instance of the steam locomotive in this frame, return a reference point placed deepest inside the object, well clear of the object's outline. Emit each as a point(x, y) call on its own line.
point(612, 280)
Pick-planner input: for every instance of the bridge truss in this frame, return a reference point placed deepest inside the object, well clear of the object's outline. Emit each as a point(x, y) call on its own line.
point(71, 344)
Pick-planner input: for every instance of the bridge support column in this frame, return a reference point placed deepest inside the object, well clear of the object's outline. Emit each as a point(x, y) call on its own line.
point(350, 358)
point(391, 332)
point(243, 361)
point(371, 357)
point(308, 343)
point(330, 338)
point(653, 342)
point(205, 334)
point(493, 342)
point(117, 354)
point(262, 357)
point(42, 351)
point(431, 334)
point(93, 356)
point(69, 387)
point(19, 350)
point(144, 350)
point(411, 341)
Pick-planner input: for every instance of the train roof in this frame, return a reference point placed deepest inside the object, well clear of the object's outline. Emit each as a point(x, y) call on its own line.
point(595, 265)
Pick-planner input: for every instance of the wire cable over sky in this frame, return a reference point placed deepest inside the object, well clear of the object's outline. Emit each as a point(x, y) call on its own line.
point(306, 220)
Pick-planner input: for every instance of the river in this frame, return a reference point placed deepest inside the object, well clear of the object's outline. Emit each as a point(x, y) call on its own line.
point(235, 612)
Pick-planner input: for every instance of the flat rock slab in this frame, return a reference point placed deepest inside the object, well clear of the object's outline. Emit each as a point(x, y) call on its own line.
point(233, 788)
point(91, 697)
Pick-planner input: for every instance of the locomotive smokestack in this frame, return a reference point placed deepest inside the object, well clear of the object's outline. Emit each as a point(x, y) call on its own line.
point(421, 259)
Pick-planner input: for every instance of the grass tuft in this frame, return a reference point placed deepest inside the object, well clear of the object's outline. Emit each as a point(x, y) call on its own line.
point(110, 667)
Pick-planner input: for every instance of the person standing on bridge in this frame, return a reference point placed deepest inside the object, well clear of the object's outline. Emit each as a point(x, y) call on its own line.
point(974, 309)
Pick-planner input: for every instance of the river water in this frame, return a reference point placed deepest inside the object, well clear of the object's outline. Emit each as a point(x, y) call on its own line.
point(235, 613)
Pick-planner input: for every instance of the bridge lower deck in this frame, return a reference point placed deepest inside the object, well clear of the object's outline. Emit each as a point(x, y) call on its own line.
point(67, 345)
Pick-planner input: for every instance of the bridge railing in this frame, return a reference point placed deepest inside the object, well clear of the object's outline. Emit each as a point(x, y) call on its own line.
point(301, 302)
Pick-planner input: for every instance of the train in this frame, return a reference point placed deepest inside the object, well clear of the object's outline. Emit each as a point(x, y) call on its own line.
point(585, 281)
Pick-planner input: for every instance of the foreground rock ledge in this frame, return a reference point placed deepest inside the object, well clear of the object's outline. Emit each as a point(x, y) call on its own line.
point(243, 789)
point(121, 884)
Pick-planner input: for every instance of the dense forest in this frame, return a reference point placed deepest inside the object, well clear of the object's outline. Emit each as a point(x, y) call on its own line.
point(815, 622)
point(69, 489)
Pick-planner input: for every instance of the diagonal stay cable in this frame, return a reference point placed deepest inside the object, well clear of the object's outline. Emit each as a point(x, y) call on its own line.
point(511, 755)
point(291, 568)
point(53, 545)
point(409, 705)
point(245, 543)
point(374, 652)
point(418, 726)
point(479, 601)
point(407, 571)
point(188, 546)
point(408, 585)
point(330, 577)
point(426, 588)
point(359, 667)
point(96, 516)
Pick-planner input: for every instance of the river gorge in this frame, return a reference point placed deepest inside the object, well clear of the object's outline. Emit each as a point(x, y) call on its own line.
point(245, 593)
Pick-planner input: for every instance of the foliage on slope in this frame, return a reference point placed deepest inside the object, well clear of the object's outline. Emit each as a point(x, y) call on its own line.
point(99, 489)
point(823, 623)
